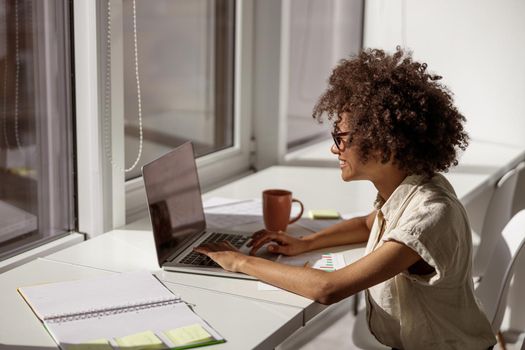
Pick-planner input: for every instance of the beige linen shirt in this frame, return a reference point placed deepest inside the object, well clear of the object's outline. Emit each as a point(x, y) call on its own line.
point(438, 310)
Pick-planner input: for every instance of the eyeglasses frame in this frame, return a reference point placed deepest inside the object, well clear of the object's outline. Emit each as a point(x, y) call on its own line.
point(338, 139)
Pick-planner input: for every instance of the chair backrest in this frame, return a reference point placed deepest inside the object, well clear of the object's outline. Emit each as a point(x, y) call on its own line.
point(519, 193)
point(493, 289)
point(497, 215)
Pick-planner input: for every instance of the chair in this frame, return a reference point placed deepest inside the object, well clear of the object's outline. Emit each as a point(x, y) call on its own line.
point(515, 306)
point(518, 202)
point(497, 215)
point(492, 291)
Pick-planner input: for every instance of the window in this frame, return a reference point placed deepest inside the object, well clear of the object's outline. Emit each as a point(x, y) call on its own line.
point(190, 55)
point(320, 34)
point(186, 64)
point(297, 43)
point(36, 138)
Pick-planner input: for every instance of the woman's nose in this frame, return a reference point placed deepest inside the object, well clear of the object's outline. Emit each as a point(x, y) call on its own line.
point(334, 149)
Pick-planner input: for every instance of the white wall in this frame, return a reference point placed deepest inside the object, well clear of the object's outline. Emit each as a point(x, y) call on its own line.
point(477, 46)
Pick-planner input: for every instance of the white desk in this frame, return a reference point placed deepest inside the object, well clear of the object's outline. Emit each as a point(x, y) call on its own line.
point(132, 248)
point(21, 330)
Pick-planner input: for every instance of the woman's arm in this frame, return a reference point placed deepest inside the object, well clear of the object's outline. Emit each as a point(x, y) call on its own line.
point(324, 287)
point(355, 230)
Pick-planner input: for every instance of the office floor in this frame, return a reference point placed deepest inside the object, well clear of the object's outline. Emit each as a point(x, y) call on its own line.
point(329, 330)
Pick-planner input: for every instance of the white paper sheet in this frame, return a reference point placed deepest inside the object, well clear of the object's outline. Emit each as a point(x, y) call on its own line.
point(98, 293)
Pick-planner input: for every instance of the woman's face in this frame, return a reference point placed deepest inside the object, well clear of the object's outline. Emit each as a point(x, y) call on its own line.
point(352, 168)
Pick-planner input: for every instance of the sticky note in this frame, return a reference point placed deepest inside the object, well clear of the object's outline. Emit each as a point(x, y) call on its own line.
point(325, 214)
point(97, 344)
point(193, 334)
point(142, 340)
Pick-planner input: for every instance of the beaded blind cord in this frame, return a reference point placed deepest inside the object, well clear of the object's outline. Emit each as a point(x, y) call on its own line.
point(17, 85)
point(17, 75)
point(107, 88)
point(4, 110)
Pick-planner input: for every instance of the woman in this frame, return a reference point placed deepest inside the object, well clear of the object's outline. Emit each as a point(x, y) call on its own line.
point(396, 126)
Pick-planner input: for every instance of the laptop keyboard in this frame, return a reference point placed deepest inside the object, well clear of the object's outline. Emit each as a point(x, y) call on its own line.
point(195, 258)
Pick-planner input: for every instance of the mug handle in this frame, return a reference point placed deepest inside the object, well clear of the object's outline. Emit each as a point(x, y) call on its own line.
point(298, 215)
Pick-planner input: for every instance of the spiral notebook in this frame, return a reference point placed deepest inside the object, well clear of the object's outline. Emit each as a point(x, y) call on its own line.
point(121, 311)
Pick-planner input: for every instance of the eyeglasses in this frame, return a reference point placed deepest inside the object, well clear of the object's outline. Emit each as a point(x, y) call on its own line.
point(339, 139)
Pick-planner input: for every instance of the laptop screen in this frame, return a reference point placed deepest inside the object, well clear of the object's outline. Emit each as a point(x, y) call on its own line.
point(174, 200)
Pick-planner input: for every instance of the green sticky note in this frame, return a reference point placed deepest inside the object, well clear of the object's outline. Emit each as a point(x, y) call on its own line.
point(189, 335)
point(97, 344)
point(323, 214)
point(142, 340)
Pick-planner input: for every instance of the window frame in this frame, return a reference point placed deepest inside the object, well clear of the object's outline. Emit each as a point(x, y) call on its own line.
point(91, 208)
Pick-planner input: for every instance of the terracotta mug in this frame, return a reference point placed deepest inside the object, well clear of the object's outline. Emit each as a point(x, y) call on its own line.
point(277, 206)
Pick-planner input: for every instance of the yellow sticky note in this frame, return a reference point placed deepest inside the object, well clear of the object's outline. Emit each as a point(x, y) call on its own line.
point(325, 214)
point(193, 334)
point(97, 344)
point(142, 340)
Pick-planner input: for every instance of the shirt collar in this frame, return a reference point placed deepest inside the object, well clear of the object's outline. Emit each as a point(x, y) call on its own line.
point(398, 197)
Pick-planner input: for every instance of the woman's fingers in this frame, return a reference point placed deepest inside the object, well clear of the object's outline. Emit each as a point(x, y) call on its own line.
point(256, 236)
point(269, 237)
point(215, 247)
point(261, 234)
point(203, 249)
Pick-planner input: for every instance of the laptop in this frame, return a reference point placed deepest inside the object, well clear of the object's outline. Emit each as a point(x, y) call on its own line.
point(177, 216)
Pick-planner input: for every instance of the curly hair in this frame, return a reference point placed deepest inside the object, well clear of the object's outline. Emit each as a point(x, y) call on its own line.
point(397, 108)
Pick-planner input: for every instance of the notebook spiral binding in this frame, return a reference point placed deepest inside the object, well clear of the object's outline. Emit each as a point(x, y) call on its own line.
point(93, 313)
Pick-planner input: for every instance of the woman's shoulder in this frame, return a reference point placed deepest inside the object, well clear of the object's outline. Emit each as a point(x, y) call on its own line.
point(436, 190)
point(435, 200)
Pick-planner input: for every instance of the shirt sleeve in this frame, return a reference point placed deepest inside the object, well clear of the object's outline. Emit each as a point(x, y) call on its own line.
point(433, 230)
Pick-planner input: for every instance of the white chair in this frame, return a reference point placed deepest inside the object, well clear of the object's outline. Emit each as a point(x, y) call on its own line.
point(497, 215)
point(492, 291)
point(515, 317)
point(519, 194)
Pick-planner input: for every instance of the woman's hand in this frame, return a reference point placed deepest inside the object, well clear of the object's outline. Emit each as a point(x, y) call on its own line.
point(224, 254)
point(286, 244)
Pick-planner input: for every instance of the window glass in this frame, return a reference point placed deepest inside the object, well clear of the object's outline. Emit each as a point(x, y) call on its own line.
point(185, 63)
point(320, 34)
point(36, 153)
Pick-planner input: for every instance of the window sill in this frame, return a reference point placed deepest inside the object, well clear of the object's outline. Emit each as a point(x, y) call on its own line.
point(40, 251)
